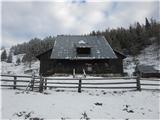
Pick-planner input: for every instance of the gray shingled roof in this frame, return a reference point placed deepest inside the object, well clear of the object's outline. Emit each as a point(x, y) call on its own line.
point(65, 47)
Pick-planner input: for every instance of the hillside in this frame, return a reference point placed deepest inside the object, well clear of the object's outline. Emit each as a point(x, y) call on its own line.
point(21, 69)
point(67, 104)
point(148, 56)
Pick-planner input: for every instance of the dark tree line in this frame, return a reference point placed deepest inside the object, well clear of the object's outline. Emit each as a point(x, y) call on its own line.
point(133, 39)
point(33, 48)
point(5, 57)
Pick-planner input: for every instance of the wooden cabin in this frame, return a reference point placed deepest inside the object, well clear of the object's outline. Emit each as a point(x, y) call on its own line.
point(91, 53)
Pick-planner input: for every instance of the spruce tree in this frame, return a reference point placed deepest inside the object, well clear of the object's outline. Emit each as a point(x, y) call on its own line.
point(9, 59)
point(4, 55)
point(18, 61)
point(147, 24)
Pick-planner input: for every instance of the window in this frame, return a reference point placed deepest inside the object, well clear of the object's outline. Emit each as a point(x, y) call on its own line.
point(89, 67)
point(82, 51)
point(106, 65)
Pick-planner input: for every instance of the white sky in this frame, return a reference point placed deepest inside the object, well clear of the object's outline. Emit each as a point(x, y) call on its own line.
point(22, 21)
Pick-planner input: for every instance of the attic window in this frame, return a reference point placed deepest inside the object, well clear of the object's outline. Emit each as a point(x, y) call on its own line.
point(83, 51)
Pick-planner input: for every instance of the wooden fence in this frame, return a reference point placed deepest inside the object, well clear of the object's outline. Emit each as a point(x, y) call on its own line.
point(40, 83)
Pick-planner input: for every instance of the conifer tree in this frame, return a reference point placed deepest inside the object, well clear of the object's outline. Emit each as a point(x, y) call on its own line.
point(4, 55)
point(147, 24)
point(9, 59)
point(18, 61)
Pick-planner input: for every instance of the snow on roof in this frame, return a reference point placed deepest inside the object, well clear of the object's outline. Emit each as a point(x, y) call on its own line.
point(70, 43)
point(81, 42)
point(98, 51)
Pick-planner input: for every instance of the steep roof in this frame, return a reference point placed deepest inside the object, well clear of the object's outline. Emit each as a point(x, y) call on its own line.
point(65, 47)
point(119, 54)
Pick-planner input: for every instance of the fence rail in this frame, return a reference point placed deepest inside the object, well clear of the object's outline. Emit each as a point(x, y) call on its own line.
point(41, 83)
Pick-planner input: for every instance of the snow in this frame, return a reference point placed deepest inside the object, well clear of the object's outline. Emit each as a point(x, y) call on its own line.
point(14, 69)
point(149, 56)
point(129, 66)
point(81, 42)
point(98, 51)
point(68, 104)
point(93, 104)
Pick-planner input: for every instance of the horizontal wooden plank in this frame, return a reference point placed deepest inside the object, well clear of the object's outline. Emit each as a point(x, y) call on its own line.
point(134, 77)
point(92, 83)
point(62, 83)
point(18, 86)
point(108, 83)
point(150, 78)
point(62, 79)
point(150, 84)
point(61, 86)
point(16, 80)
point(158, 80)
point(109, 87)
point(110, 78)
point(92, 87)
point(73, 87)
point(150, 89)
point(13, 85)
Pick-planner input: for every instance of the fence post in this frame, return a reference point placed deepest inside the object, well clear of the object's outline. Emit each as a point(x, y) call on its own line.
point(138, 82)
point(32, 81)
point(14, 82)
point(41, 84)
point(74, 73)
point(45, 84)
point(79, 85)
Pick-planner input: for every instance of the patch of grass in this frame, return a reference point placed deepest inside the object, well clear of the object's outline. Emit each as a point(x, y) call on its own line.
point(97, 103)
point(24, 114)
point(84, 116)
point(127, 109)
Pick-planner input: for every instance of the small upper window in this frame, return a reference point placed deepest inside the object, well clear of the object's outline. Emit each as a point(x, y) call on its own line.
point(85, 51)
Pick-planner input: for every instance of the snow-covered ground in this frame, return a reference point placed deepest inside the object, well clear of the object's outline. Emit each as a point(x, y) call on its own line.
point(149, 56)
point(90, 104)
point(94, 104)
point(15, 69)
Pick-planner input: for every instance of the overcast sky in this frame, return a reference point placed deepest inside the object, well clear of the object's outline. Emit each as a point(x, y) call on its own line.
point(22, 21)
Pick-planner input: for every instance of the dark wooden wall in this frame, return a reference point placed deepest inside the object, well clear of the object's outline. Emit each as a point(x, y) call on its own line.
point(103, 66)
